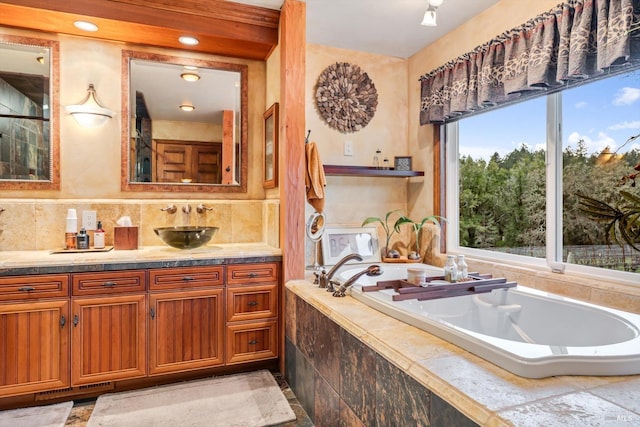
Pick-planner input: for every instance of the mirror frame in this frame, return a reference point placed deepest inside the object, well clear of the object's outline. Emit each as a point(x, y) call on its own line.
point(126, 183)
point(53, 183)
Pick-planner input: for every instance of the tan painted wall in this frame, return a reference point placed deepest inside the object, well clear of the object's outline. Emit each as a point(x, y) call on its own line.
point(351, 199)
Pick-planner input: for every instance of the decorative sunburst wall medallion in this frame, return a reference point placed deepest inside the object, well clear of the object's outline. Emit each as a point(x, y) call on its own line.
point(346, 98)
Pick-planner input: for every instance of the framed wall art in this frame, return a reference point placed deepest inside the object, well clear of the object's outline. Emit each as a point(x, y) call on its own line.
point(270, 148)
point(402, 163)
point(344, 240)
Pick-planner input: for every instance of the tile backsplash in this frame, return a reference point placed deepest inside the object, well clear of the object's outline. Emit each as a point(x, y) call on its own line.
point(40, 224)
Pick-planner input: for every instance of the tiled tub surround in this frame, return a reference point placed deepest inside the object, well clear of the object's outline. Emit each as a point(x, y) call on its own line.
point(351, 365)
point(35, 225)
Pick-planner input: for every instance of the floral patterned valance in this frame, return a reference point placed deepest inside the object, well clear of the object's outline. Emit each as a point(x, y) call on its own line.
point(576, 41)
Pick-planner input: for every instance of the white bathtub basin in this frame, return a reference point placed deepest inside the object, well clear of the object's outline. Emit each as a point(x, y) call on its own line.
point(530, 333)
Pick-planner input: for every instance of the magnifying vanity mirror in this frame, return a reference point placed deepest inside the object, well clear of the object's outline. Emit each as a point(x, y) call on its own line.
point(187, 124)
point(29, 133)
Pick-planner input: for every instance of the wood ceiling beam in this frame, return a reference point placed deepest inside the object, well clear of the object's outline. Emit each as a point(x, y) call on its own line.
point(223, 27)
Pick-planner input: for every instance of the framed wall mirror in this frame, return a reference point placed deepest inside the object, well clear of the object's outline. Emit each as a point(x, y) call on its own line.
point(29, 128)
point(270, 148)
point(187, 124)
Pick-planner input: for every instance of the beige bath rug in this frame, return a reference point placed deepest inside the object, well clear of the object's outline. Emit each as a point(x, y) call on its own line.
point(39, 416)
point(244, 400)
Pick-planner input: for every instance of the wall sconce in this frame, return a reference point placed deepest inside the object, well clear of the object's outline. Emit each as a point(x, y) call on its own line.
point(89, 112)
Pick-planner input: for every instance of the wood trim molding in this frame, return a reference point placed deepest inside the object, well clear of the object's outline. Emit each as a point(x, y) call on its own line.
point(223, 27)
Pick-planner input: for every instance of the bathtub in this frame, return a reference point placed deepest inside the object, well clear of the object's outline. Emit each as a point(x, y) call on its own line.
point(530, 333)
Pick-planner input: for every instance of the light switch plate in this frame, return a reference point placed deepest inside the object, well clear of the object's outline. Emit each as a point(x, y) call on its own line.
point(348, 148)
point(89, 220)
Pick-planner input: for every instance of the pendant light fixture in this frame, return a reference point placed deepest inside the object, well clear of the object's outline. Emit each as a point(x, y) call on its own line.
point(89, 112)
point(429, 19)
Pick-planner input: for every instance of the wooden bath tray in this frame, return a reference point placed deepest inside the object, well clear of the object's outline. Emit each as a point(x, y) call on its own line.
point(479, 283)
point(79, 251)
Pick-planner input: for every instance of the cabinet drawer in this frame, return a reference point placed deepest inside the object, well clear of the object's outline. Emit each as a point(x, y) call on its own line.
point(252, 273)
point(252, 341)
point(31, 287)
point(161, 279)
point(252, 302)
point(108, 282)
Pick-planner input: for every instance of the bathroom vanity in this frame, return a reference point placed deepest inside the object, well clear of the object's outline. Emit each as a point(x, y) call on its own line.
point(102, 323)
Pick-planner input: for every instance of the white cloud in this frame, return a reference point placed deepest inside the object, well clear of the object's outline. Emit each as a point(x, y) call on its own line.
point(625, 125)
point(580, 105)
point(626, 96)
point(592, 145)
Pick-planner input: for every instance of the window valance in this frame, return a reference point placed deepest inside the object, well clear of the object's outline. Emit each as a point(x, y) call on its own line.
point(576, 41)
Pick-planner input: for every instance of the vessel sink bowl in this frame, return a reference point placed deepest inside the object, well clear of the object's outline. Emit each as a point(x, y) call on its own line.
point(186, 237)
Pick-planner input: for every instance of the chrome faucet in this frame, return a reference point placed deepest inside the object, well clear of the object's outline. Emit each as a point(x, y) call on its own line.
point(324, 278)
point(372, 270)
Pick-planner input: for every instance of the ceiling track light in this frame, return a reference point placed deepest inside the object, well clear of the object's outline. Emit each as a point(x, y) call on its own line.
point(429, 19)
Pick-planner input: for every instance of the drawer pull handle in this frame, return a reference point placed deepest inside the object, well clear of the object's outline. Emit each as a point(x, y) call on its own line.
point(63, 321)
point(187, 278)
point(26, 289)
point(152, 313)
point(253, 342)
point(109, 284)
point(75, 320)
point(252, 274)
point(252, 303)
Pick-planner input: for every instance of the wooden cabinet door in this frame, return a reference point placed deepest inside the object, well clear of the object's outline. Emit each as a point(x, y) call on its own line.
point(186, 330)
point(34, 347)
point(108, 338)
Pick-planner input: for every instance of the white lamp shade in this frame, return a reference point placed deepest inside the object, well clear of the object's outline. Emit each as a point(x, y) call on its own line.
point(89, 113)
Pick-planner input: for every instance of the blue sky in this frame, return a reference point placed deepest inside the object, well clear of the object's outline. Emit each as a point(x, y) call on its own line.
point(603, 113)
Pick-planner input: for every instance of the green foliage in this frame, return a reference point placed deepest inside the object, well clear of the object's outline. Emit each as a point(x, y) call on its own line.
point(502, 201)
point(388, 229)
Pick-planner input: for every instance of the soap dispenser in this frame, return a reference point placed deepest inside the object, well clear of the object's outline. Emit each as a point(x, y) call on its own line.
point(71, 229)
point(98, 236)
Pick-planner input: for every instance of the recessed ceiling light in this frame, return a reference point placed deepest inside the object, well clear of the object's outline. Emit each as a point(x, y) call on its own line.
point(188, 40)
point(187, 107)
point(190, 74)
point(85, 26)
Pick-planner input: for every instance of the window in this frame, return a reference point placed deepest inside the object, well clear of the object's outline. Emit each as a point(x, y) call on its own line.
point(514, 175)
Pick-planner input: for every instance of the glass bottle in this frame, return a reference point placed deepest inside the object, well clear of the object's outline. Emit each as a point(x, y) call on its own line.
point(385, 164)
point(463, 269)
point(376, 159)
point(450, 269)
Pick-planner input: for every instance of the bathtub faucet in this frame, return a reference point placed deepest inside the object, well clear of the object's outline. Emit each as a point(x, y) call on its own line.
point(372, 270)
point(324, 278)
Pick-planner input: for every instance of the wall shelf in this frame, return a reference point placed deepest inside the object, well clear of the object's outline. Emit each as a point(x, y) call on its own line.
point(368, 171)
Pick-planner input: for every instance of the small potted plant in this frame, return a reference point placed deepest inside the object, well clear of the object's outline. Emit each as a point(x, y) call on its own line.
point(389, 230)
point(417, 228)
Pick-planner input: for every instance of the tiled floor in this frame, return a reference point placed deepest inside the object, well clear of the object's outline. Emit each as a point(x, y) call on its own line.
point(82, 410)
